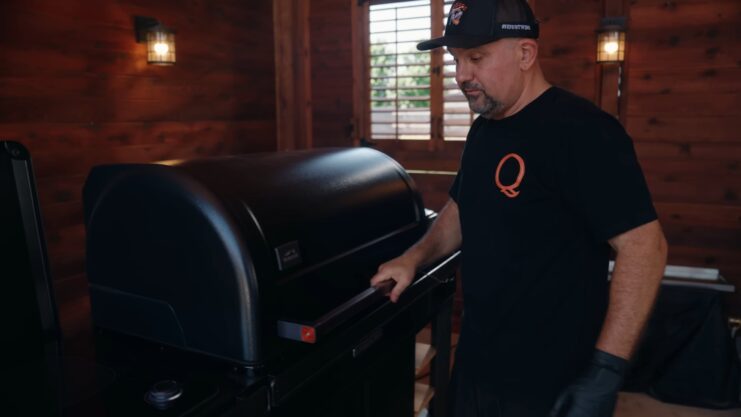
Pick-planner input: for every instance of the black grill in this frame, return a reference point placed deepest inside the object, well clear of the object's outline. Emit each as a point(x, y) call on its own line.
point(260, 265)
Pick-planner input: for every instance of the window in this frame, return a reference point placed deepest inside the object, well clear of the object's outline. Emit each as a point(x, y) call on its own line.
point(413, 94)
point(457, 116)
point(399, 74)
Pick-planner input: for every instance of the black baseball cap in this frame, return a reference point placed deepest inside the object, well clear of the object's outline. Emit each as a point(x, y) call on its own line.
point(473, 23)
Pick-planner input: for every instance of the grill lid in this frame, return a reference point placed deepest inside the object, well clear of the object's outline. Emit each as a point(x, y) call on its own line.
point(208, 254)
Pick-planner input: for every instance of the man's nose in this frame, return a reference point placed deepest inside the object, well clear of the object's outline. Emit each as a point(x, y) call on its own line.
point(462, 74)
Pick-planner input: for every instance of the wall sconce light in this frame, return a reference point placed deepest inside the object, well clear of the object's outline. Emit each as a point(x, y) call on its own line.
point(160, 40)
point(611, 40)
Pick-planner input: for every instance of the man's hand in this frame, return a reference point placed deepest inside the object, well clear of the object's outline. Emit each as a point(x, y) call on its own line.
point(594, 394)
point(401, 270)
point(443, 237)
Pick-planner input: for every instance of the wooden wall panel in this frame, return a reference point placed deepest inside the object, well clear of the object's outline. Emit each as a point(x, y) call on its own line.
point(684, 113)
point(667, 80)
point(76, 90)
point(292, 74)
point(332, 71)
point(567, 43)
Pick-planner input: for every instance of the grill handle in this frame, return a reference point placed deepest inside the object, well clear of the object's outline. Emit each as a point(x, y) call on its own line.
point(310, 332)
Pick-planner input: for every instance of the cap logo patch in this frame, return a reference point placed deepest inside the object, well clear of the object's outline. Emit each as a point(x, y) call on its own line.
point(456, 11)
point(515, 27)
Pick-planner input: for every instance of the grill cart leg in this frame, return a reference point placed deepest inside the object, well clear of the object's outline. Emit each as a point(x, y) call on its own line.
point(440, 367)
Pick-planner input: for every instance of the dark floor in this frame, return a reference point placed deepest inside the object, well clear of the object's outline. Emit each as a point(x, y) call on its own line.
point(641, 405)
point(637, 405)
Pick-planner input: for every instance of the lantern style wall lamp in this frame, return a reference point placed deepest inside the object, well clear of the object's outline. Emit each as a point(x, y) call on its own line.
point(611, 40)
point(611, 57)
point(160, 40)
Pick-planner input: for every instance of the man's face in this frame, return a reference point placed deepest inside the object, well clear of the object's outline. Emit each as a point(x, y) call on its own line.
point(489, 76)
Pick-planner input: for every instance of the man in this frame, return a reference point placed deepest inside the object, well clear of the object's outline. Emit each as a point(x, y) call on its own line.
point(548, 183)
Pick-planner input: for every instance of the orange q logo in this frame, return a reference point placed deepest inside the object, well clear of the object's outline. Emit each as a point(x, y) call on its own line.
point(510, 190)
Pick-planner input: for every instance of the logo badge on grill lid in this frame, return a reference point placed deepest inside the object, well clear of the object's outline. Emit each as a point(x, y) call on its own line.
point(288, 255)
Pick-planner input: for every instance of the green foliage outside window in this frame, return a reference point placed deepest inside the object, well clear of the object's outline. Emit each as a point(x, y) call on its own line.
point(385, 63)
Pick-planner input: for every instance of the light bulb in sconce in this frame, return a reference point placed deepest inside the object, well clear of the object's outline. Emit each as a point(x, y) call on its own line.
point(610, 47)
point(161, 48)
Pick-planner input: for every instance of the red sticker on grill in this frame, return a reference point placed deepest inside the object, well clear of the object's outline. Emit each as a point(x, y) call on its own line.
point(308, 334)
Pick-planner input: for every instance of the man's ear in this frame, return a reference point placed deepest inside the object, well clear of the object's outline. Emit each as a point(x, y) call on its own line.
point(528, 49)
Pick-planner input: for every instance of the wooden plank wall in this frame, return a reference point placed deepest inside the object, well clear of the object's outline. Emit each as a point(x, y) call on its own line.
point(76, 90)
point(684, 114)
point(332, 71)
point(568, 42)
point(292, 74)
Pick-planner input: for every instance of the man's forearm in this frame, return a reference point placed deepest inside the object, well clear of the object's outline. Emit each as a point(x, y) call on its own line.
point(443, 237)
point(639, 267)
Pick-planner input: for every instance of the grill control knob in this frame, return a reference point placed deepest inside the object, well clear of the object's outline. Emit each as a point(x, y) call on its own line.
point(163, 394)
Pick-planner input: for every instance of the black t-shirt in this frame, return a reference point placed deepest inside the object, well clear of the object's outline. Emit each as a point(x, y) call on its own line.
point(539, 194)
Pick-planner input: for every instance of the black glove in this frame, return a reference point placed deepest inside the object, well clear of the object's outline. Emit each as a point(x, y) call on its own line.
point(594, 393)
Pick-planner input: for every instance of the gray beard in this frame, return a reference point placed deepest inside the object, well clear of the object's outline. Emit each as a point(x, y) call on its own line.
point(487, 107)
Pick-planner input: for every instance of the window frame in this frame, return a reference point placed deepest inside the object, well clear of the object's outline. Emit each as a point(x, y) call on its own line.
point(436, 140)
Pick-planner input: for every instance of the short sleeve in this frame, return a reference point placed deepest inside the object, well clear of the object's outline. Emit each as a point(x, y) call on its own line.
point(602, 180)
point(454, 189)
